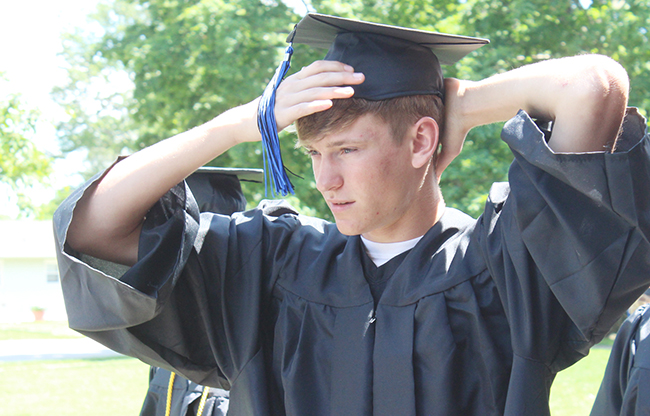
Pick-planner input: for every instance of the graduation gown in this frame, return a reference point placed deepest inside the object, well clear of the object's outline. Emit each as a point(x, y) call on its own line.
point(626, 384)
point(477, 319)
point(186, 397)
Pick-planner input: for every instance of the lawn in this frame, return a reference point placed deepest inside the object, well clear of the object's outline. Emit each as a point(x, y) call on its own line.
point(117, 386)
point(98, 387)
point(37, 330)
point(575, 388)
point(106, 387)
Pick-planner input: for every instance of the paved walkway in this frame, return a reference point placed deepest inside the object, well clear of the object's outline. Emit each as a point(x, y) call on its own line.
point(52, 349)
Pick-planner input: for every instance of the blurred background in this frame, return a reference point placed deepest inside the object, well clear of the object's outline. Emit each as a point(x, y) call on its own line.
point(83, 81)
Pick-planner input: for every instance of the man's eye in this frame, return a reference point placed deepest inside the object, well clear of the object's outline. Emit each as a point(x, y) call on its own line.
point(347, 150)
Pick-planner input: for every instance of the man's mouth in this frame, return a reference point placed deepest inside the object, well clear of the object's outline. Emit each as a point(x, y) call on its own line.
point(339, 204)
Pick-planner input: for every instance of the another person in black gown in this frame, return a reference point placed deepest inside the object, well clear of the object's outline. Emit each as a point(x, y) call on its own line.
point(625, 389)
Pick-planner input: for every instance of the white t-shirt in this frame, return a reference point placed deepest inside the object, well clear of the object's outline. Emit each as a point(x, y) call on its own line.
point(381, 253)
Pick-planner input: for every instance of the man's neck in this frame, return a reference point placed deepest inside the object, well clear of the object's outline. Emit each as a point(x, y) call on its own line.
point(412, 225)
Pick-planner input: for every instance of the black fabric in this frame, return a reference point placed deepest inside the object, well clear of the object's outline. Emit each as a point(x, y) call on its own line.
point(392, 67)
point(625, 389)
point(320, 30)
point(218, 193)
point(186, 396)
point(396, 61)
point(377, 277)
point(477, 319)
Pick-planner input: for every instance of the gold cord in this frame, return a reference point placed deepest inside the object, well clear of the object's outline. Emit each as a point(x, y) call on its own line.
point(204, 397)
point(170, 388)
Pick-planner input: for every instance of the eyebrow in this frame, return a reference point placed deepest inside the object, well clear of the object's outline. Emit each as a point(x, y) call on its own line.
point(340, 143)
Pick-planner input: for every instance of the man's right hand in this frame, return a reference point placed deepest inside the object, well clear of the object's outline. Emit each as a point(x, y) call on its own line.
point(312, 90)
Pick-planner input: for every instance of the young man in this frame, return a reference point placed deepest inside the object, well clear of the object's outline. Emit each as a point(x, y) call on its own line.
point(403, 306)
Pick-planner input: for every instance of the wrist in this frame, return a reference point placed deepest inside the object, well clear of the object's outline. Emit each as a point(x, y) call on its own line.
point(237, 125)
point(458, 110)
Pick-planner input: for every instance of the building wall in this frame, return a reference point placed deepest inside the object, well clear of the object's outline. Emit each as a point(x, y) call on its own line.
point(26, 283)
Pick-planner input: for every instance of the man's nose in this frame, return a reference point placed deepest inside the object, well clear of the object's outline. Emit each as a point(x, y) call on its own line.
point(328, 176)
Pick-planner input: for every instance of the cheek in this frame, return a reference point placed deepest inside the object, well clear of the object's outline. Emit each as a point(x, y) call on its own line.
point(391, 174)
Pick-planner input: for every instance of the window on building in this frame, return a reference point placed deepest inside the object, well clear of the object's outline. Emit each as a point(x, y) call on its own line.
point(51, 273)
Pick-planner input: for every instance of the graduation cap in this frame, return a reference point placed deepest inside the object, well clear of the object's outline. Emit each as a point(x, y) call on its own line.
point(396, 61)
point(219, 190)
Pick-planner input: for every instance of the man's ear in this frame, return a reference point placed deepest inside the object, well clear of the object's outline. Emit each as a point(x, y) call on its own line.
point(425, 135)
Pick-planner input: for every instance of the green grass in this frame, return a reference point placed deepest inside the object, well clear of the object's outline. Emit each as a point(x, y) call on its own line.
point(98, 387)
point(117, 386)
point(106, 387)
point(37, 330)
point(575, 388)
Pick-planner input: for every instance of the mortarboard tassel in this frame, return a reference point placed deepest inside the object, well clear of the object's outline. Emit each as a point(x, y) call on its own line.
point(269, 129)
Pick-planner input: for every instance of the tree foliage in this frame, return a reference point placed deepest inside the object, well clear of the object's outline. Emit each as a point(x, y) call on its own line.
point(22, 164)
point(526, 31)
point(189, 60)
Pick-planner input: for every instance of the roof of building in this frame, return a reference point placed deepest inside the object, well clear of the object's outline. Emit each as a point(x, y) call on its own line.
point(26, 239)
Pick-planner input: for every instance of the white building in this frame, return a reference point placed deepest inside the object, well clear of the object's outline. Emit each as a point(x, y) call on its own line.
point(28, 271)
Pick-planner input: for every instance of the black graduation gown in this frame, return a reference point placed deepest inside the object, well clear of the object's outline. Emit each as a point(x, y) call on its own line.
point(477, 319)
point(625, 390)
point(186, 396)
point(215, 190)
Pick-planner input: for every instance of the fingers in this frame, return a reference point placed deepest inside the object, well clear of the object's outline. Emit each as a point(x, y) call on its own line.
point(318, 67)
point(312, 89)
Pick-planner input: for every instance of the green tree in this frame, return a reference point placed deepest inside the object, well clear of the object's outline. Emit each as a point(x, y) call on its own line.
point(189, 60)
point(521, 32)
point(526, 31)
point(22, 165)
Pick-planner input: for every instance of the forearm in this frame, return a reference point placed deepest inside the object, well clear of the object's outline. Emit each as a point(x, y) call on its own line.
point(585, 97)
point(108, 218)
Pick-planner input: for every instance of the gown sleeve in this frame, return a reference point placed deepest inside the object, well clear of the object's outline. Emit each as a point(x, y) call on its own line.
point(567, 240)
point(194, 302)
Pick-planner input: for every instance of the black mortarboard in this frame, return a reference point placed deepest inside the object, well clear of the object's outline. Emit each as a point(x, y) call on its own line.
point(219, 190)
point(396, 62)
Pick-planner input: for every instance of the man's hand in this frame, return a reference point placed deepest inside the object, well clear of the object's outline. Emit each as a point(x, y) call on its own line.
point(312, 90)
